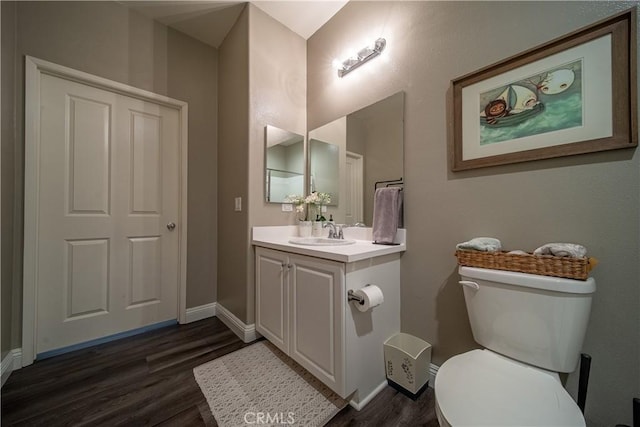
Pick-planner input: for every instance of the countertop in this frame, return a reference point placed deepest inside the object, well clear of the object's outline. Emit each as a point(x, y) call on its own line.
point(277, 237)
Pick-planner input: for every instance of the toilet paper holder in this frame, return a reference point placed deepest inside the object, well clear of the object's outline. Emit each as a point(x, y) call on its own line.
point(351, 296)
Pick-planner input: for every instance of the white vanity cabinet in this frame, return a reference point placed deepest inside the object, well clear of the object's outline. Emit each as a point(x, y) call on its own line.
point(302, 308)
point(272, 297)
point(300, 305)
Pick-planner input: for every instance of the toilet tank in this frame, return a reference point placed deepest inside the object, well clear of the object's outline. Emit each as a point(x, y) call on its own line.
point(539, 320)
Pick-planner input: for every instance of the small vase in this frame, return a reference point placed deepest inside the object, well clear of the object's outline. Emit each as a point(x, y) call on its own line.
point(304, 228)
point(317, 229)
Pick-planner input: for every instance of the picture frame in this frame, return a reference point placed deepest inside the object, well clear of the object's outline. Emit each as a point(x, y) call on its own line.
point(575, 94)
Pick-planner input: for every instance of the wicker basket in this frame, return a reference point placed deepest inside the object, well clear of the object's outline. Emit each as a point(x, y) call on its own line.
point(545, 265)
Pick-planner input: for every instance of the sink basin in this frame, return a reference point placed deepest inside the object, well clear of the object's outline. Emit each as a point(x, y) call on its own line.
point(320, 241)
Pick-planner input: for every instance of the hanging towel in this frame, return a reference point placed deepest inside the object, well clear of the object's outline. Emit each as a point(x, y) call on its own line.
point(387, 208)
point(571, 250)
point(486, 244)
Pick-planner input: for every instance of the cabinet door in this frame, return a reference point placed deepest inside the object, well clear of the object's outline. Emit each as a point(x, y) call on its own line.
point(272, 297)
point(317, 318)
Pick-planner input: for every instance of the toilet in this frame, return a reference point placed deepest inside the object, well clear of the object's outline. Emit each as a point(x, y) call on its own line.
point(531, 327)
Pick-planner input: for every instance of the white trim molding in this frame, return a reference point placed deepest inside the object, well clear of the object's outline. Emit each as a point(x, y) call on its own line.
point(247, 333)
point(11, 362)
point(7, 367)
point(17, 358)
point(201, 312)
point(362, 403)
point(34, 69)
point(433, 371)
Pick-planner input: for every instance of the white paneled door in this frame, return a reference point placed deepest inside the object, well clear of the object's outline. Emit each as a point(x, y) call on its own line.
point(108, 216)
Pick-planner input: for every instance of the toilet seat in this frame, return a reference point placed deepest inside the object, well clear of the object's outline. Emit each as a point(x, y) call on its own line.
point(482, 388)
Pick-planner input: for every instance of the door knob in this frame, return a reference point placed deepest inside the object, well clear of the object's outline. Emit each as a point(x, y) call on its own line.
point(171, 226)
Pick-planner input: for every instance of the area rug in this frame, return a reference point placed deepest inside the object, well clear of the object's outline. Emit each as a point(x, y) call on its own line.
point(261, 385)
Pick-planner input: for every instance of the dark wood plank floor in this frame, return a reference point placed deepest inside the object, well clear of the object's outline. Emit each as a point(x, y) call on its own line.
point(148, 380)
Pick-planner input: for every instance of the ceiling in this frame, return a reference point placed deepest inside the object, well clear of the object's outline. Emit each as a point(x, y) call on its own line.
point(210, 21)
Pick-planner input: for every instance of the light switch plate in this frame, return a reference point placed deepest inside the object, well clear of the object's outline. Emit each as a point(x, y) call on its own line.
point(287, 207)
point(238, 207)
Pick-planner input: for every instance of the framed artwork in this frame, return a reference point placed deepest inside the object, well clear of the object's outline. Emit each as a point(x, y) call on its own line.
point(575, 94)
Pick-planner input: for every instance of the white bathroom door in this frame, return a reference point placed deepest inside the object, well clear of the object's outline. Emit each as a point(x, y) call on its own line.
point(108, 218)
point(354, 192)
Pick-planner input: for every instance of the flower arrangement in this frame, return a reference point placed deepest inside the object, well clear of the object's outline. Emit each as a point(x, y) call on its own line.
point(304, 205)
point(316, 200)
point(300, 204)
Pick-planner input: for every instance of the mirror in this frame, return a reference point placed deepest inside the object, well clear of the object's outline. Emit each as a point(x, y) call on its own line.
point(324, 173)
point(284, 164)
point(368, 144)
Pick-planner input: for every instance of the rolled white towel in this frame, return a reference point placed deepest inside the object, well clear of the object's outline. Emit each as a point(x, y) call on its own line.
point(571, 250)
point(517, 252)
point(485, 244)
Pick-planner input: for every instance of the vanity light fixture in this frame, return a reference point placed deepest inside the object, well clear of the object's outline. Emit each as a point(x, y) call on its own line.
point(361, 57)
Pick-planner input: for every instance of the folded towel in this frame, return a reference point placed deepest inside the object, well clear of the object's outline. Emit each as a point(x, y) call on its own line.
point(517, 252)
point(571, 250)
point(485, 244)
point(387, 206)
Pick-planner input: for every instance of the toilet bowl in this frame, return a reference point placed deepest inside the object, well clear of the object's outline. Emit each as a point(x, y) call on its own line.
point(531, 328)
point(482, 388)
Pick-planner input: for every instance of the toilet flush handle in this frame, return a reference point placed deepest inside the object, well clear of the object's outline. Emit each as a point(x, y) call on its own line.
point(468, 284)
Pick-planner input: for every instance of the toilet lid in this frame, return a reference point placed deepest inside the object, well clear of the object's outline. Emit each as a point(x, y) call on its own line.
point(482, 388)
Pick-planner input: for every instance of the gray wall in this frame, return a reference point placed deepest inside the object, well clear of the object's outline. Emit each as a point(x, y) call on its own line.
point(7, 120)
point(277, 97)
point(233, 152)
point(262, 82)
point(109, 40)
point(591, 199)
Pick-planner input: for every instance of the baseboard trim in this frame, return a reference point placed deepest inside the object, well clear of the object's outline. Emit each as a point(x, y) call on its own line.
point(11, 362)
point(433, 371)
point(246, 333)
point(6, 367)
point(17, 358)
point(362, 403)
point(201, 312)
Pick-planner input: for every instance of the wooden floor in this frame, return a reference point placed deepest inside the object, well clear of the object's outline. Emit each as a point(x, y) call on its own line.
point(148, 380)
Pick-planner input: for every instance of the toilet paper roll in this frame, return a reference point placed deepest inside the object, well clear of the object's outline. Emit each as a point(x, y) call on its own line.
point(371, 295)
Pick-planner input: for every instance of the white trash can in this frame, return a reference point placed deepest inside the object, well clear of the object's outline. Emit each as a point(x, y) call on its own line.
point(407, 359)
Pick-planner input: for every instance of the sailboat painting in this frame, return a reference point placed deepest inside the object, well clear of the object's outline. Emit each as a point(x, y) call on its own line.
point(548, 101)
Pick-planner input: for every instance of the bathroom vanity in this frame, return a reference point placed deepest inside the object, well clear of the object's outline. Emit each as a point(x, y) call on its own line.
point(302, 307)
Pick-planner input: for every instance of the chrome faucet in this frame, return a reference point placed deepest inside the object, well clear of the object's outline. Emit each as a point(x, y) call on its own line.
point(335, 231)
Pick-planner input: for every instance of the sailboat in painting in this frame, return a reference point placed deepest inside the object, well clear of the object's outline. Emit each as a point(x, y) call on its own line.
point(517, 103)
point(514, 105)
